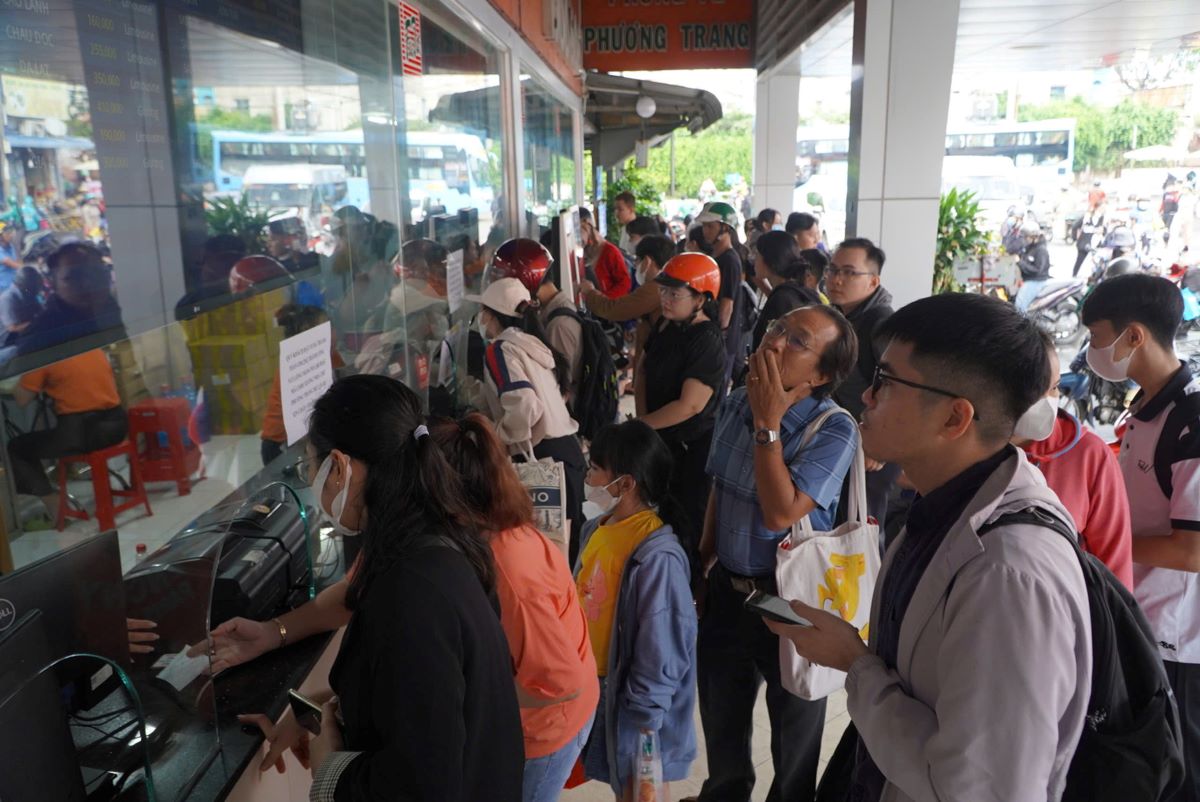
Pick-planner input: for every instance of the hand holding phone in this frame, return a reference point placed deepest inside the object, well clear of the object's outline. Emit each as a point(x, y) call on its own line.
point(306, 711)
point(776, 609)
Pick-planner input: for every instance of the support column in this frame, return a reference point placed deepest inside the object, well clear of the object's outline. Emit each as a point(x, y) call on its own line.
point(899, 98)
point(776, 113)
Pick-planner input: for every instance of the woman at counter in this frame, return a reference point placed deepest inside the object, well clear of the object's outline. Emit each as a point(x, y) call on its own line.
point(553, 666)
point(425, 706)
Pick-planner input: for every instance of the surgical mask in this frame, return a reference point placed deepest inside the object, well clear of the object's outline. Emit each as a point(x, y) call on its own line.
point(482, 327)
point(599, 495)
point(1038, 421)
point(334, 517)
point(640, 272)
point(1101, 361)
point(777, 227)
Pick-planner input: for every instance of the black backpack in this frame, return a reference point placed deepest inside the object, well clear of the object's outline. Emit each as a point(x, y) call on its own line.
point(1184, 415)
point(595, 402)
point(1131, 747)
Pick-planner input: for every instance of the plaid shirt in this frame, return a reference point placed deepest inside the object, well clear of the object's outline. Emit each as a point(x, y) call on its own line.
point(744, 544)
point(325, 781)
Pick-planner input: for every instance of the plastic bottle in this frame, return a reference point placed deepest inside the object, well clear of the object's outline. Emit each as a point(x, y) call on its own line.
point(648, 771)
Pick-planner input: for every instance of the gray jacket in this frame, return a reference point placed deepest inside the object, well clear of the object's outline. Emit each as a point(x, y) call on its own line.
point(993, 671)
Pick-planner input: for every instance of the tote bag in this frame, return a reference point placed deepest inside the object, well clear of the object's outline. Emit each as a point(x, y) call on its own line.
point(833, 570)
point(546, 482)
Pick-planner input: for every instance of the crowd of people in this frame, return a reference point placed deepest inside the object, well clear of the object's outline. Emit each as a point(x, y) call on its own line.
point(479, 661)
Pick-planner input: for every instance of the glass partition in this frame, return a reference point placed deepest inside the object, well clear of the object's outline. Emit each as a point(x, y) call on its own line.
point(549, 155)
point(183, 187)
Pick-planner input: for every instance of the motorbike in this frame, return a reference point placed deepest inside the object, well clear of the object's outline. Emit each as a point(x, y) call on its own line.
point(1057, 310)
point(1091, 399)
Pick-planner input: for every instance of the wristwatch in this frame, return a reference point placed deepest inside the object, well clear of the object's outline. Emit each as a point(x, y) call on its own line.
point(764, 437)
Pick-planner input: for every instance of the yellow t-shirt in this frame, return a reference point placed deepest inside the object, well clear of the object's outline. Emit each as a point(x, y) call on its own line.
point(601, 565)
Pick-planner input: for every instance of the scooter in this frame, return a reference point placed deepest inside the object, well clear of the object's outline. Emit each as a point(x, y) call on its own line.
point(1056, 310)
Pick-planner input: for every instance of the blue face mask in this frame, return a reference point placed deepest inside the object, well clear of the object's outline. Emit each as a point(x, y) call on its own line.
point(777, 227)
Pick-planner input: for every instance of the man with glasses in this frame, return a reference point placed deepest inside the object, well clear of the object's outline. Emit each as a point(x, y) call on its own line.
point(852, 282)
point(765, 479)
point(976, 681)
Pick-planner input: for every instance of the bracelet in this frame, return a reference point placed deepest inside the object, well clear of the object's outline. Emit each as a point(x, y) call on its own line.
point(282, 632)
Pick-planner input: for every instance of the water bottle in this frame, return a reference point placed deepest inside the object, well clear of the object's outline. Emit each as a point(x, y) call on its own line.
point(648, 771)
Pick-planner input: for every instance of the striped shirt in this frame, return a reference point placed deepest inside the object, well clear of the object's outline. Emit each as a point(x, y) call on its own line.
point(744, 544)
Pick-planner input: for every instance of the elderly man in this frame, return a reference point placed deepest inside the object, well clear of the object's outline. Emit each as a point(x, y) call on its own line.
point(764, 480)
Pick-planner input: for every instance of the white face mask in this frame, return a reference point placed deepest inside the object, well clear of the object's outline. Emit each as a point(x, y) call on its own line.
point(1038, 421)
point(339, 502)
point(479, 324)
point(640, 272)
point(599, 495)
point(1101, 361)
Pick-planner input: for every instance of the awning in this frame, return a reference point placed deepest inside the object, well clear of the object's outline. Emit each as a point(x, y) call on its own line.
point(49, 142)
point(612, 126)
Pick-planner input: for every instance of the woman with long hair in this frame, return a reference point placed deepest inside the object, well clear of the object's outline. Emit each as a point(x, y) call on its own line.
point(553, 666)
point(525, 387)
point(633, 579)
point(425, 706)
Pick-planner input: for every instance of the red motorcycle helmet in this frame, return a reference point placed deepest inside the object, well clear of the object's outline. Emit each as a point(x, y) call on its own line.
point(524, 259)
point(252, 270)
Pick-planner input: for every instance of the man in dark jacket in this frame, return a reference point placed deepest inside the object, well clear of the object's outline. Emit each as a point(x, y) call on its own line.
point(852, 282)
point(1035, 265)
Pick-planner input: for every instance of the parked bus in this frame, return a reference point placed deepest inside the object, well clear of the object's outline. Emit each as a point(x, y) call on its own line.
point(444, 169)
point(1041, 143)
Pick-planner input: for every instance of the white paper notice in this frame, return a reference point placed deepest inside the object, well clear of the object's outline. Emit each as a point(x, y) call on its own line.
point(454, 280)
point(305, 372)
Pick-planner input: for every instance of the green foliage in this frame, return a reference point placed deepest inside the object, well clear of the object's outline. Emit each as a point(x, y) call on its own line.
point(1103, 135)
point(237, 217)
point(635, 181)
point(959, 237)
point(226, 120)
point(724, 147)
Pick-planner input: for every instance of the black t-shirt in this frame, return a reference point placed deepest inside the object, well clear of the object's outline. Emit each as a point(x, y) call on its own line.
point(783, 299)
point(730, 265)
point(676, 352)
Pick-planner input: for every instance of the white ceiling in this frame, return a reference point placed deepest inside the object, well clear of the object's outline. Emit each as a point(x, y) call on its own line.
point(1032, 35)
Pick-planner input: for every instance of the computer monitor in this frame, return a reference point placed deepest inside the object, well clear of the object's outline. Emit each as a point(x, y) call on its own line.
point(35, 740)
point(82, 600)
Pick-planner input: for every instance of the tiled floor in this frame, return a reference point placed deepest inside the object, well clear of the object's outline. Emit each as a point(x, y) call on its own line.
point(836, 720)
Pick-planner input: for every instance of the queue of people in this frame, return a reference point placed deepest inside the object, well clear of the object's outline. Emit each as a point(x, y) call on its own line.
point(535, 666)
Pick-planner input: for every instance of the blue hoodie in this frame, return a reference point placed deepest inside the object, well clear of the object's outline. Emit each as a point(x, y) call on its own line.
point(651, 682)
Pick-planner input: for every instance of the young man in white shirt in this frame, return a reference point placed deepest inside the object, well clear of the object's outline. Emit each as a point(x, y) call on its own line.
point(1132, 320)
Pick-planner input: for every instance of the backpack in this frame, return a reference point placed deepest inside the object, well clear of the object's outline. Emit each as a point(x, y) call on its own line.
point(595, 402)
point(1185, 413)
point(1131, 746)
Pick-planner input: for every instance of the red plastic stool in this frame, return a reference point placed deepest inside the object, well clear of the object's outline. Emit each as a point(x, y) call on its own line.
point(106, 511)
point(175, 463)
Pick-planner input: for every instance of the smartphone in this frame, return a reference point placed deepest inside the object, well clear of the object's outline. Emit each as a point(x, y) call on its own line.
point(774, 608)
point(307, 712)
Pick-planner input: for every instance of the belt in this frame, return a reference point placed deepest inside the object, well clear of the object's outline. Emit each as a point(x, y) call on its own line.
point(749, 584)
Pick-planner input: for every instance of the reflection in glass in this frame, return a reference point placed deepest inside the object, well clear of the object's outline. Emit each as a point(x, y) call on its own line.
point(549, 145)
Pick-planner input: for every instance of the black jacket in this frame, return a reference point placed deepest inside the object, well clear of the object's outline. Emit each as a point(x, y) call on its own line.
point(425, 681)
point(866, 319)
point(1035, 262)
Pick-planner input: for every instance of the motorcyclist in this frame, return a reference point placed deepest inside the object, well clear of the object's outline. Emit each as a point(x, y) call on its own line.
point(1124, 259)
point(1034, 264)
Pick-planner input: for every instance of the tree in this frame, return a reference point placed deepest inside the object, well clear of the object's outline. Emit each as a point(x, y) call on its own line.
point(1148, 72)
point(721, 149)
point(1103, 135)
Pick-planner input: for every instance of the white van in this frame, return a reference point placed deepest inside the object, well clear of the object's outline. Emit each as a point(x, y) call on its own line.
point(312, 192)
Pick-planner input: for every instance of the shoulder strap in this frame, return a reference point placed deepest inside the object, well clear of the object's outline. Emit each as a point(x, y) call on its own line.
point(857, 503)
point(1185, 412)
point(565, 311)
point(1033, 516)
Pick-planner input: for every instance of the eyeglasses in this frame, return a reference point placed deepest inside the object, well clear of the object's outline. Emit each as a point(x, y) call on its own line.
point(795, 342)
point(845, 273)
point(880, 378)
point(674, 294)
point(305, 470)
